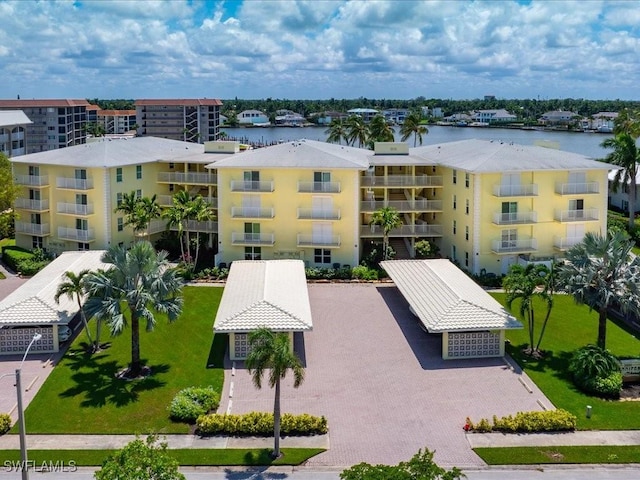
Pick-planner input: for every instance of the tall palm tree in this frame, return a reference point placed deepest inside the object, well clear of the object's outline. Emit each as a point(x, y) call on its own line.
point(379, 131)
point(129, 207)
point(600, 272)
point(73, 288)
point(148, 210)
point(200, 211)
point(272, 351)
point(387, 218)
point(626, 155)
point(178, 216)
point(412, 126)
point(628, 121)
point(357, 130)
point(139, 281)
point(337, 131)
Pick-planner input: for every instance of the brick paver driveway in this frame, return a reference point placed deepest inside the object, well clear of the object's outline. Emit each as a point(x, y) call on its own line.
point(382, 383)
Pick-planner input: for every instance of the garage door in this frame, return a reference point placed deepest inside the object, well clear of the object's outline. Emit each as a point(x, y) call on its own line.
point(473, 344)
point(16, 340)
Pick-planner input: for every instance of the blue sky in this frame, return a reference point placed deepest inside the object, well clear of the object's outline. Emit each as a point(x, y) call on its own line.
point(320, 49)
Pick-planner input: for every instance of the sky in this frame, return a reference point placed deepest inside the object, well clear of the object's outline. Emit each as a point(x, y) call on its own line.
point(320, 49)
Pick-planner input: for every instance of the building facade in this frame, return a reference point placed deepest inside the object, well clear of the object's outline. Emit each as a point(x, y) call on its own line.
point(117, 121)
point(13, 140)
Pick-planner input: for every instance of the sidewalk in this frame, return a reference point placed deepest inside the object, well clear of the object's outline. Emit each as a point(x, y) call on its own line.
point(590, 437)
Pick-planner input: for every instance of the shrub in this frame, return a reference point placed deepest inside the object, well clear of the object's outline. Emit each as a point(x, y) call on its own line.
point(13, 255)
point(29, 267)
point(362, 272)
point(260, 424)
point(190, 403)
point(5, 423)
point(596, 370)
point(608, 387)
point(545, 421)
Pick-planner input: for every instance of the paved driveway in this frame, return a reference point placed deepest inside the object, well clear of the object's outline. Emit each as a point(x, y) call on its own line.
point(382, 383)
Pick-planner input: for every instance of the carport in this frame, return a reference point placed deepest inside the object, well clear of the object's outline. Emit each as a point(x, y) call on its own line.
point(263, 293)
point(447, 301)
point(32, 308)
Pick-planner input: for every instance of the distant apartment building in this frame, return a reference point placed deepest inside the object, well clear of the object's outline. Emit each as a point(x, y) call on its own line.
point(12, 132)
point(55, 123)
point(92, 113)
point(117, 121)
point(395, 115)
point(190, 120)
point(252, 117)
point(367, 114)
point(493, 116)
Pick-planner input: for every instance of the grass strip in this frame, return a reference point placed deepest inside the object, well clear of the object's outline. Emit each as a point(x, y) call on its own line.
point(186, 457)
point(560, 454)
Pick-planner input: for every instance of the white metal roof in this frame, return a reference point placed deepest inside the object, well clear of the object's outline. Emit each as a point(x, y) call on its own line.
point(445, 299)
point(265, 293)
point(9, 118)
point(33, 302)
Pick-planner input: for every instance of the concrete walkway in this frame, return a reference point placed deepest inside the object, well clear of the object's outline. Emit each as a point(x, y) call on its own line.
point(591, 437)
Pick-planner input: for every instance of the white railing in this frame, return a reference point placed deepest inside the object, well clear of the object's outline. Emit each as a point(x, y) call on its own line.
point(514, 246)
point(74, 183)
point(32, 180)
point(586, 215)
point(402, 205)
point(527, 190)
point(240, 238)
point(318, 187)
point(32, 228)
point(28, 204)
point(75, 208)
point(565, 243)
point(401, 181)
point(251, 212)
point(577, 188)
point(310, 240)
point(251, 186)
point(514, 218)
point(313, 214)
point(167, 201)
point(188, 177)
point(76, 235)
point(418, 230)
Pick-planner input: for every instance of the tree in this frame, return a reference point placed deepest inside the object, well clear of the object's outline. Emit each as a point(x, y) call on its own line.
point(141, 460)
point(73, 288)
point(273, 351)
point(600, 273)
point(200, 211)
point(379, 131)
point(387, 218)
point(140, 282)
point(526, 284)
point(356, 130)
point(8, 194)
point(138, 211)
point(94, 129)
point(177, 216)
point(420, 467)
point(337, 131)
point(412, 126)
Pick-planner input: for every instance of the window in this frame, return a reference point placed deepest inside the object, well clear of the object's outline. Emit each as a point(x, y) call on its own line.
point(455, 227)
point(466, 180)
point(171, 187)
point(251, 180)
point(172, 165)
point(120, 224)
point(455, 202)
point(118, 199)
point(466, 232)
point(118, 175)
point(466, 259)
point(466, 206)
point(252, 253)
point(83, 247)
point(321, 181)
point(34, 171)
point(455, 176)
point(138, 194)
point(81, 174)
point(36, 242)
point(576, 209)
point(252, 232)
point(509, 238)
point(82, 224)
point(453, 253)
point(322, 255)
point(138, 172)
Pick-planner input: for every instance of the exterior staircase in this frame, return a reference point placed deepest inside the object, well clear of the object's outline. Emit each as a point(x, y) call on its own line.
point(400, 248)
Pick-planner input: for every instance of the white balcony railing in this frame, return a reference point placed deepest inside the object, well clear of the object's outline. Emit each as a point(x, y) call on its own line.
point(251, 186)
point(514, 246)
point(565, 243)
point(167, 201)
point(514, 218)
point(251, 212)
point(526, 190)
point(325, 241)
point(32, 180)
point(401, 181)
point(74, 183)
point(577, 188)
point(417, 230)
point(241, 238)
point(418, 205)
point(586, 215)
point(36, 229)
point(76, 235)
point(75, 208)
point(313, 214)
point(190, 178)
point(318, 187)
point(35, 205)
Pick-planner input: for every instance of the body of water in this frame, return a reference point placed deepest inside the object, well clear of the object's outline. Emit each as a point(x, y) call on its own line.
point(584, 143)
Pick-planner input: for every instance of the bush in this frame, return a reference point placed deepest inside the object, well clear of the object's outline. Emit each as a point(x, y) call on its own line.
point(13, 255)
point(596, 370)
point(29, 268)
point(190, 403)
point(362, 272)
point(5, 423)
point(23, 261)
point(260, 424)
point(545, 421)
point(607, 387)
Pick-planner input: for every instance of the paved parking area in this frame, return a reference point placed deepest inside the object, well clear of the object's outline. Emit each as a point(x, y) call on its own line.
point(382, 383)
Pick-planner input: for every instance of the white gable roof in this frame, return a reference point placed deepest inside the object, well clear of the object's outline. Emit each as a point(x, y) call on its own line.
point(265, 293)
point(445, 299)
point(33, 302)
point(9, 118)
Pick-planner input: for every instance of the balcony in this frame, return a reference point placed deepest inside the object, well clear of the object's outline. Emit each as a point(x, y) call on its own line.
point(188, 178)
point(251, 186)
point(193, 226)
point(240, 238)
point(32, 180)
point(76, 235)
point(313, 214)
point(565, 243)
point(523, 245)
point(515, 218)
point(418, 205)
point(586, 215)
point(318, 187)
point(417, 230)
point(74, 183)
point(167, 201)
point(401, 181)
point(75, 209)
point(35, 229)
point(251, 212)
point(588, 188)
point(527, 190)
point(32, 205)
point(155, 226)
point(318, 241)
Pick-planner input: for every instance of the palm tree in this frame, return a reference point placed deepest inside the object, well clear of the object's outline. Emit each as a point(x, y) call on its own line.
point(387, 218)
point(73, 287)
point(337, 131)
point(626, 155)
point(139, 281)
point(177, 216)
point(600, 272)
point(525, 284)
point(148, 210)
point(273, 351)
point(139, 211)
point(356, 130)
point(412, 126)
point(628, 122)
point(379, 131)
point(200, 211)
point(129, 207)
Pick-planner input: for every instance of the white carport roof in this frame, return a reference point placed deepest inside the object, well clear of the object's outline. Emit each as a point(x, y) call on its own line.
point(445, 299)
point(33, 302)
point(265, 293)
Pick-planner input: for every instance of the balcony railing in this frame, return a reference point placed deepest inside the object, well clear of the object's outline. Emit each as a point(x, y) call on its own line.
point(76, 235)
point(586, 215)
point(319, 241)
point(318, 187)
point(251, 212)
point(36, 229)
point(418, 205)
point(32, 180)
point(240, 238)
point(74, 183)
point(190, 178)
point(167, 201)
point(401, 181)
point(75, 208)
point(515, 218)
point(514, 246)
point(313, 214)
point(565, 243)
point(577, 188)
point(34, 205)
point(251, 186)
point(527, 190)
point(417, 230)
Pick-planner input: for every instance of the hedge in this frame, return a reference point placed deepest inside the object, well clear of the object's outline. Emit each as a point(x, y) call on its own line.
point(192, 402)
point(12, 256)
point(526, 422)
point(5, 423)
point(260, 424)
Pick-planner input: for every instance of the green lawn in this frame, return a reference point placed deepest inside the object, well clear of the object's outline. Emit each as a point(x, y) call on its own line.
point(559, 454)
point(82, 394)
point(572, 326)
